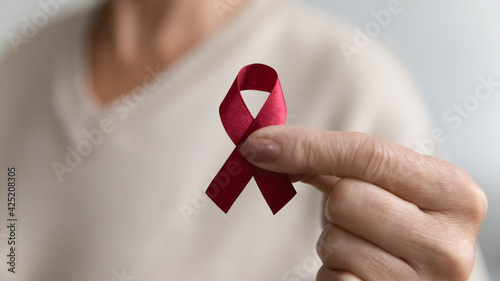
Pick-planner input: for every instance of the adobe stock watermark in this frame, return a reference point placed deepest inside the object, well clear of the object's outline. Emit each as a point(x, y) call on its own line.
point(30, 26)
point(120, 110)
point(458, 113)
point(121, 276)
point(307, 270)
point(222, 7)
point(362, 38)
point(200, 200)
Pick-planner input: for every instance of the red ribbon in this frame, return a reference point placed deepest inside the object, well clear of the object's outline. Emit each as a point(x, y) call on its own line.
point(239, 124)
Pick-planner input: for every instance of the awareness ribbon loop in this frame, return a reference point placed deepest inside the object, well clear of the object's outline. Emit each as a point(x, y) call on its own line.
point(239, 123)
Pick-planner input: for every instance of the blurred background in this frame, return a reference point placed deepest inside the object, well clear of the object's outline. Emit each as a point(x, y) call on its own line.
point(446, 45)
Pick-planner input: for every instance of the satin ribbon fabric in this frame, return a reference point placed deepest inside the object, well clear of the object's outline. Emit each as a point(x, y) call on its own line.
point(239, 124)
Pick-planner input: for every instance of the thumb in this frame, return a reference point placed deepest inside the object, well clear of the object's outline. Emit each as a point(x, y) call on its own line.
point(301, 150)
point(416, 178)
point(268, 148)
point(298, 150)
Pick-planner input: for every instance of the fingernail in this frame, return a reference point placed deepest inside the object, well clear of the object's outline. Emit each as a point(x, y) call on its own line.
point(260, 150)
point(322, 245)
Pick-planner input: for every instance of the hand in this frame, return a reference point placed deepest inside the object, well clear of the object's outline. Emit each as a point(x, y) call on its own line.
point(393, 214)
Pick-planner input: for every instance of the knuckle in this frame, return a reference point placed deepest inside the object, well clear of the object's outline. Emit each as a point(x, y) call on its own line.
point(478, 205)
point(474, 203)
point(476, 200)
point(444, 253)
point(372, 156)
point(454, 261)
point(305, 149)
point(314, 152)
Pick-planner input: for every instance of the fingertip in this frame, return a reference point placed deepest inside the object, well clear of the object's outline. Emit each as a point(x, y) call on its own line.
point(260, 150)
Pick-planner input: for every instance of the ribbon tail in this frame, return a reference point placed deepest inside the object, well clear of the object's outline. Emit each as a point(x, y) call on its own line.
point(276, 189)
point(230, 181)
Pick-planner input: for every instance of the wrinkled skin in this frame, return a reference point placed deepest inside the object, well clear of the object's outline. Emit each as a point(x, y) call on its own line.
point(392, 213)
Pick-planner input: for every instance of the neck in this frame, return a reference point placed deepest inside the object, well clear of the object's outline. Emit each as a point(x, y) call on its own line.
point(134, 34)
point(156, 27)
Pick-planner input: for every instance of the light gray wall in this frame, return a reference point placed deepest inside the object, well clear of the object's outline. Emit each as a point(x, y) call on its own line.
point(446, 44)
